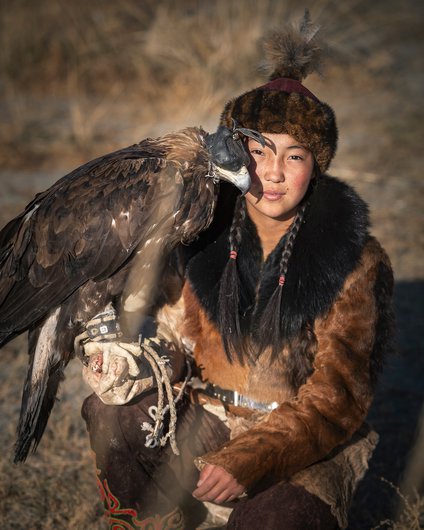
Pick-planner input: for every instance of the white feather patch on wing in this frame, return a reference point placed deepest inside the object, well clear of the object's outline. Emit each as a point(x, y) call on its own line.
point(42, 354)
point(31, 213)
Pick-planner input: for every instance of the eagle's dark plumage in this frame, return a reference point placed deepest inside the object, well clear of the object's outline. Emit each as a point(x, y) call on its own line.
point(69, 253)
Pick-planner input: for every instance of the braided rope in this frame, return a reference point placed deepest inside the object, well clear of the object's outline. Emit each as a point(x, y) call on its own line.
point(158, 373)
point(150, 352)
point(162, 380)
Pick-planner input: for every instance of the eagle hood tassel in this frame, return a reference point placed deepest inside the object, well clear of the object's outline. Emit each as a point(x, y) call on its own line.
point(283, 105)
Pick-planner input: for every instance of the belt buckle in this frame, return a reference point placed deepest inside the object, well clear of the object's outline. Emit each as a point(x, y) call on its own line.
point(244, 401)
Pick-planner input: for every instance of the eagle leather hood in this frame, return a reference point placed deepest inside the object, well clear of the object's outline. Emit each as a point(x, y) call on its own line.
point(327, 248)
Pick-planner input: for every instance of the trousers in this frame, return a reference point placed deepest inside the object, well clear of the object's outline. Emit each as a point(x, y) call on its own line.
point(150, 488)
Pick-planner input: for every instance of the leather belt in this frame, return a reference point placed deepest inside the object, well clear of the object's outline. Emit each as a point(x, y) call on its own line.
point(232, 397)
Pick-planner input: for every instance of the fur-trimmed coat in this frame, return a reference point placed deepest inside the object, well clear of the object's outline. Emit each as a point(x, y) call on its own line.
point(337, 319)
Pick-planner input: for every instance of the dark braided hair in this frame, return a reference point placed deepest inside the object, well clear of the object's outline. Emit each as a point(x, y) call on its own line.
point(228, 297)
point(229, 293)
point(271, 317)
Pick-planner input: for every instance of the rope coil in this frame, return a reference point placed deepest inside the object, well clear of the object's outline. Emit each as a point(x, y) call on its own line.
point(155, 437)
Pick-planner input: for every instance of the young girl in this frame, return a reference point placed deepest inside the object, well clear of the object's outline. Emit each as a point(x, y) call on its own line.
point(285, 308)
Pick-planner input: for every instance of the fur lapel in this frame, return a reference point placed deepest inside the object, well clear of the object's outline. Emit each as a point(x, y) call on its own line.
point(327, 248)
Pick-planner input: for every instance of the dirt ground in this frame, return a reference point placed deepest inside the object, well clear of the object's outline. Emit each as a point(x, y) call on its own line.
point(380, 115)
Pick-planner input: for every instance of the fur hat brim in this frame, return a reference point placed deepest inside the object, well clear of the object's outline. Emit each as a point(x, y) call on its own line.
point(308, 120)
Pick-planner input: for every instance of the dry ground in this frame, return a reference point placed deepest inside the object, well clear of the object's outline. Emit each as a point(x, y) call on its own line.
point(80, 80)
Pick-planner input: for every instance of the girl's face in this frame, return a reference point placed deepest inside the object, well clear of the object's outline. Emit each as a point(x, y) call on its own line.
point(280, 173)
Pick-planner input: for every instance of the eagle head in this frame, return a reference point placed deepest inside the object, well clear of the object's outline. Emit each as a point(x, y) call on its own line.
point(228, 154)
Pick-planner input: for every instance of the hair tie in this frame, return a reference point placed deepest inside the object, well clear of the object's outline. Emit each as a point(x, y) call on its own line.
point(282, 280)
point(233, 254)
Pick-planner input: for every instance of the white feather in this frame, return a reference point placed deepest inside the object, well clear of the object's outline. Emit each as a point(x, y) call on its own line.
point(44, 348)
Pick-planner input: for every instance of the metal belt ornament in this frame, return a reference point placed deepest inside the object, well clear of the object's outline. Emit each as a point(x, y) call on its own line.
point(232, 397)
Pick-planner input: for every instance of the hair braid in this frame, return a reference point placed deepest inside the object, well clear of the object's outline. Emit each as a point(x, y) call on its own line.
point(302, 348)
point(228, 297)
point(271, 319)
point(289, 244)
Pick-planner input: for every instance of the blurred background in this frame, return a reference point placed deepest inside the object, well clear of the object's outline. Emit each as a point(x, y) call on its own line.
point(79, 79)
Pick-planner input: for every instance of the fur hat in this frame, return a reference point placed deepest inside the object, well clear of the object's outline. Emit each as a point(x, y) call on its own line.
point(284, 105)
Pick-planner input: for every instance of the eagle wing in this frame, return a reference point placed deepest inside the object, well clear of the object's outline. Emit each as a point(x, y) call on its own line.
point(85, 227)
point(69, 252)
point(104, 234)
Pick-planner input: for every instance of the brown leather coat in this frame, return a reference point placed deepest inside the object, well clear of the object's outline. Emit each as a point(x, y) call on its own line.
point(326, 410)
point(336, 310)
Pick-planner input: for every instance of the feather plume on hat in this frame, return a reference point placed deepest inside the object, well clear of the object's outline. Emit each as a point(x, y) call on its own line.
point(294, 52)
point(284, 105)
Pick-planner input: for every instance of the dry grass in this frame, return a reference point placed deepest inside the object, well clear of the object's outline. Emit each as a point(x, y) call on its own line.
point(80, 78)
point(55, 489)
point(411, 516)
point(164, 60)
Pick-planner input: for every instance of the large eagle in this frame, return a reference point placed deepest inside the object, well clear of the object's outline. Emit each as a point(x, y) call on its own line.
point(70, 252)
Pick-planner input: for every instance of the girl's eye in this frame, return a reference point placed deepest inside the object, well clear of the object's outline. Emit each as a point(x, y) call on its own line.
point(295, 157)
point(256, 152)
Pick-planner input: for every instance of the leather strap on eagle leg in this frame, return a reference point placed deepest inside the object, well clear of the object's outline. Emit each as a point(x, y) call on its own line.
point(103, 327)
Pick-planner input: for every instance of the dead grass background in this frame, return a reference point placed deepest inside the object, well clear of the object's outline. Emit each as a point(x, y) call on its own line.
point(80, 78)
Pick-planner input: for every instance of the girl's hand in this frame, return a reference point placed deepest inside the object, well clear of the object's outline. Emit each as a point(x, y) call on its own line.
point(217, 485)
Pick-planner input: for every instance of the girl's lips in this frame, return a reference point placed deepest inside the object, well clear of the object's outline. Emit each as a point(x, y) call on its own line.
point(272, 195)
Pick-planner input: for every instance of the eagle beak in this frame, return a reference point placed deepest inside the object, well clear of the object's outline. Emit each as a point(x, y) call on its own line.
point(240, 178)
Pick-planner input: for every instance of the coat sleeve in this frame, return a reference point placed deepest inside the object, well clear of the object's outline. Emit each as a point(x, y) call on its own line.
point(334, 401)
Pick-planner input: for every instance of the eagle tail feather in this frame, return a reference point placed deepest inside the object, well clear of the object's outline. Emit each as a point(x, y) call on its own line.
point(35, 412)
point(44, 375)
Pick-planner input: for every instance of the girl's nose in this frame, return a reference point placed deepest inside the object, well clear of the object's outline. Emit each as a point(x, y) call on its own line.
point(275, 172)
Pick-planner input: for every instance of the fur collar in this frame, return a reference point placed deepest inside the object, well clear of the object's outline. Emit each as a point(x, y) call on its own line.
point(327, 248)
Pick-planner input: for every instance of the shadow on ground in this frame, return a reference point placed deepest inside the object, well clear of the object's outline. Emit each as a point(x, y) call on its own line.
point(395, 414)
